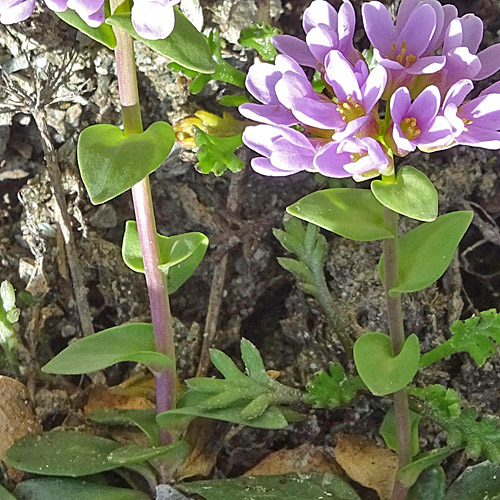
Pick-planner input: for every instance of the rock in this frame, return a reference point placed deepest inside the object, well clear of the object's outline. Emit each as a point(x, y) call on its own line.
point(167, 492)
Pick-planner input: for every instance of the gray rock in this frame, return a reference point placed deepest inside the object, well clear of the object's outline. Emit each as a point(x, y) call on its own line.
point(167, 492)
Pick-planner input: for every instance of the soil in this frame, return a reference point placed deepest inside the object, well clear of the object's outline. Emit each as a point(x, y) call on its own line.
point(261, 301)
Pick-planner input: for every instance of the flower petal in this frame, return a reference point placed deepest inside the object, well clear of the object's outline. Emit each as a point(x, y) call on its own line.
point(426, 105)
point(480, 138)
point(484, 111)
point(374, 87)
point(418, 31)
point(427, 65)
point(296, 48)
point(17, 13)
point(319, 114)
point(153, 19)
point(261, 138)
point(320, 40)
point(379, 26)
point(330, 162)
point(457, 93)
point(261, 81)
point(319, 12)
point(263, 166)
point(473, 29)
point(439, 135)
point(270, 114)
point(400, 104)
point(340, 75)
point(490, 62)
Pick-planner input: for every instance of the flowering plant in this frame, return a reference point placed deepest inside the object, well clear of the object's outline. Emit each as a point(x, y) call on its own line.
point(321, 106)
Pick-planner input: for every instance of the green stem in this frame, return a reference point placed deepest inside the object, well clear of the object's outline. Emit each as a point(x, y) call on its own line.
point(396, 329)
point(438, 353)
point(146, 225)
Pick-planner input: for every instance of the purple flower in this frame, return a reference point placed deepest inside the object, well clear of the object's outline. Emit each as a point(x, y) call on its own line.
point(154, 19)
point(286, 151)
point(418, 124)
point(461, 43)
point(360, 158)
point(325, 30)
point(356, 90)
point(405, 47)
point(14, 11)
point(261, 83)
point(476, 122)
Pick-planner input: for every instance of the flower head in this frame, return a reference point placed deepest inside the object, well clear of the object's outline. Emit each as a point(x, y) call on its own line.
point(417, 123)
point(285, 150)
point(325, 30)
point(404, 47)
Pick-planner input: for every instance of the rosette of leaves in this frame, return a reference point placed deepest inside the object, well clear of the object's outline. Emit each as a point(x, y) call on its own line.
point(251, 398)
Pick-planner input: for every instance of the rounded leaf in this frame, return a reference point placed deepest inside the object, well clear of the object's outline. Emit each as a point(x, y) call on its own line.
point(180, 255)
point(111, 163)
point(352, 213)
point(381, 371)
point(425, 252)
point(413, 194)
point(130, 342)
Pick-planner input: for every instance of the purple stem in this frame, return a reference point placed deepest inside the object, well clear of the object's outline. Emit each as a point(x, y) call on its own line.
point(156, 280)
point(396, 329)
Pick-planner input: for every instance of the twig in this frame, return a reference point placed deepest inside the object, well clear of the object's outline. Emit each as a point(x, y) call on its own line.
point(64, 221)
point(217, 289)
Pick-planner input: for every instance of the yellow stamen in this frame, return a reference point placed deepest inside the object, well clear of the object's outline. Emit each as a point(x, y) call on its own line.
point(350, 110)
point(410, 128)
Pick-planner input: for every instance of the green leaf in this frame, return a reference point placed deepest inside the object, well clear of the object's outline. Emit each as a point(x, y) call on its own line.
point(388, 430)
point(111, 163)
point(328, 390)
point(291, 487)
point(145, 420)
point(381, 371)
point(259, 37)
point(352, 213)
point(271, 418)
point(479, 437)
point(233, 100)
point(474, 335)
point(409, 474)
point(5, 495)
point(130, 342)
point(75, 454)
point(253, 362)
point(180, 255)
point(479, 482)
point(217, 154)
point(431, 485)
point(254, 399)
point(412, 194)
point(103, 34)
point(185, 45)
point(224, 72)
point(426, 252)
point(51, 488)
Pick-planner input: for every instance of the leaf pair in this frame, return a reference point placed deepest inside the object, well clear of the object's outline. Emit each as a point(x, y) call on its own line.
point(424, 253)
point(252, 399)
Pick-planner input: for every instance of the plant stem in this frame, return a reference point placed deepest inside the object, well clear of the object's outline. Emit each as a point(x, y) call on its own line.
point(396, 329)
point(144, 212)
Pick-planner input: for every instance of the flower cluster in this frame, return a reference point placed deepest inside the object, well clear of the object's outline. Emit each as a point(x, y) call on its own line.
point(422, 67)
point(152, 19)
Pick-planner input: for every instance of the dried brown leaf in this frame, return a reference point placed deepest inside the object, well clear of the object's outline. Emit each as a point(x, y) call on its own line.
point(17, 417)
point(302, 460)
point(368, 464)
